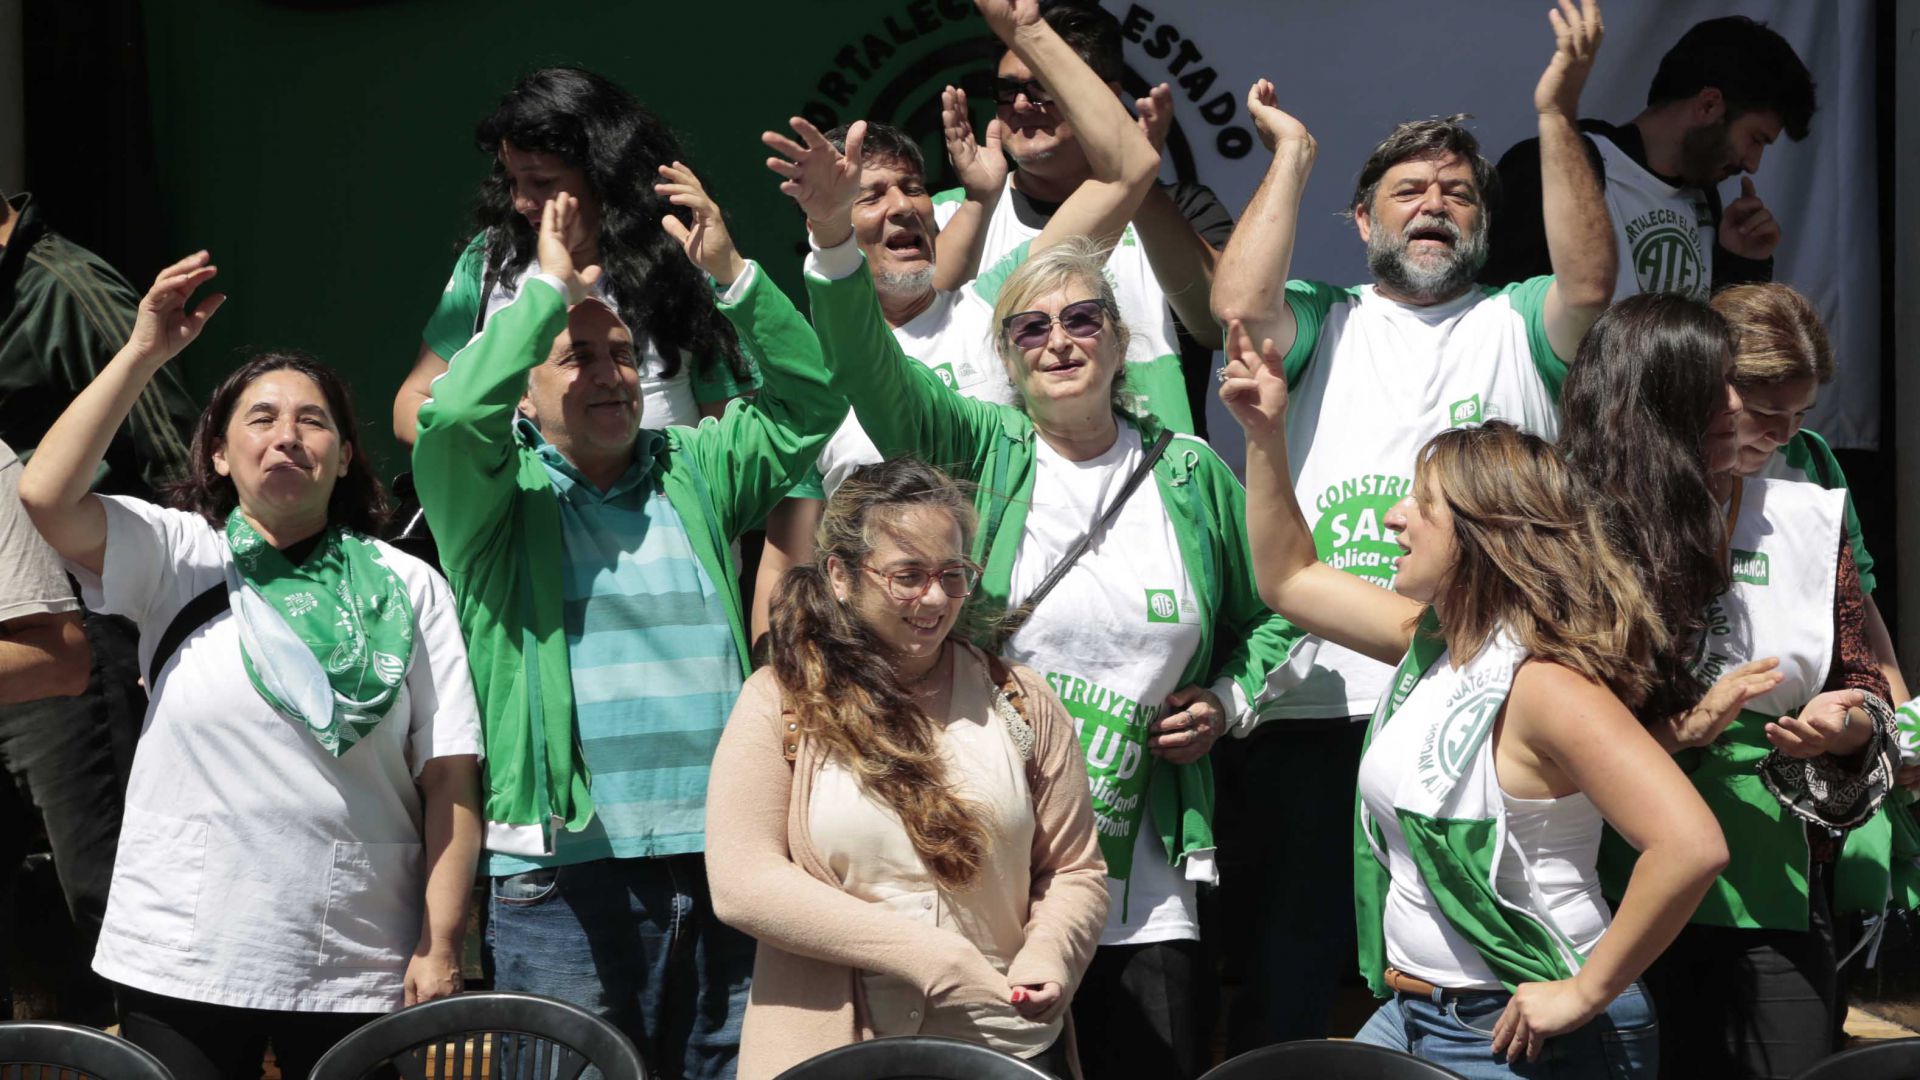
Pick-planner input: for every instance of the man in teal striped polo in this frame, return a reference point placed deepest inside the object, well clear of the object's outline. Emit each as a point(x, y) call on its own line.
point(590, 560)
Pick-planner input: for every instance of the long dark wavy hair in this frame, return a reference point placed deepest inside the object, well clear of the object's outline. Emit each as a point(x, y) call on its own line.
point(358, 501)
point(595, 126)
point(1646, 383)
point(839, 685)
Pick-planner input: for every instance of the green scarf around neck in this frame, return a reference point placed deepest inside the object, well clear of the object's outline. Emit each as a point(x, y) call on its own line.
point(326, 642)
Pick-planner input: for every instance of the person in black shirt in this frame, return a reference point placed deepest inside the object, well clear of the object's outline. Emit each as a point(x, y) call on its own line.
point(1725, 92)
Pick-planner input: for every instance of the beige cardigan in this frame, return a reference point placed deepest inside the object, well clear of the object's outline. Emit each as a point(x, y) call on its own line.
point(770, 882)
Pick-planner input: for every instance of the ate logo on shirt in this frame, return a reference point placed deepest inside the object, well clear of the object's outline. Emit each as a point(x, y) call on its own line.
point(1663, 247)
point(1464, 412)
point(945, 371)
point(1162, 607)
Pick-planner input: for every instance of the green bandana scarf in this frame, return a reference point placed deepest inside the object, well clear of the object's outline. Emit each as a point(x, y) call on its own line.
point(326, 642)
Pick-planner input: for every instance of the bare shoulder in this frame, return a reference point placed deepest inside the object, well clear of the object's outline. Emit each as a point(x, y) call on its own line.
point(1550, 699)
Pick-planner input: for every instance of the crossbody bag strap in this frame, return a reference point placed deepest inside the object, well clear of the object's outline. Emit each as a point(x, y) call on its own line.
point(199, 612)
point(1018, 617)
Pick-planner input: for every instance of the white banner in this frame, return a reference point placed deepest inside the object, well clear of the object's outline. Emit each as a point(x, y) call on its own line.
point(1350, 72)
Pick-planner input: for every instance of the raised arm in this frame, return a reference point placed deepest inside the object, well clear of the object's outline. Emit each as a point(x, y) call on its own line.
point(758, 449)
point(465, 459)
point(1250, 282)
point(1292, 580)
point(1182, 260)
point(982, 170)
point(1121, 162)
point(1579, 230)
point(55, 486)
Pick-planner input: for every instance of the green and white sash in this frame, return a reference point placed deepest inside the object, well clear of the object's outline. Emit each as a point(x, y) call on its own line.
point(1452, 815)
point(326, 642)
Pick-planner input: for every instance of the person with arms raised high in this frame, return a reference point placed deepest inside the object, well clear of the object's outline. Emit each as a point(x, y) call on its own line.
point(1373, 371)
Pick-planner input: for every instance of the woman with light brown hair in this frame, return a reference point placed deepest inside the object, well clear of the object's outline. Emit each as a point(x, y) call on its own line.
point(904, 819)
point(1782, 357)
point(1508, 739)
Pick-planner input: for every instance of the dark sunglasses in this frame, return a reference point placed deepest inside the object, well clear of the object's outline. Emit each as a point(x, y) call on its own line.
point(1081, 319)
point(1005, 90)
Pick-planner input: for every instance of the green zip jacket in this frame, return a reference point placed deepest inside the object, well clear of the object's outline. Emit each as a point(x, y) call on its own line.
point(497, 521)
point(1244, 648)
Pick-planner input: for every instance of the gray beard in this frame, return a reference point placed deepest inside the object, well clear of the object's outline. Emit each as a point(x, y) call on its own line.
point(1427, 281)
point(912, 283)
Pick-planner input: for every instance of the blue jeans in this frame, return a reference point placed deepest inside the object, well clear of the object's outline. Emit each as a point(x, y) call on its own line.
point(634, 941)
point(1456, 1031)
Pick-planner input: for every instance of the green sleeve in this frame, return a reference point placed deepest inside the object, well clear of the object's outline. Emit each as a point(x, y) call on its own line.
point(1252, 642)
point(994, 278)
point(1809, 452)
point(902, 404)
point(450, 326)
point(759, 449)
point(465, 460)
point(717, 383)
point(1310, 301)
point(1529, 300)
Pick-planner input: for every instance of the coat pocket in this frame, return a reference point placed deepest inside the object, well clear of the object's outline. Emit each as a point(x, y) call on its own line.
point(373, 905)
point(157, 873)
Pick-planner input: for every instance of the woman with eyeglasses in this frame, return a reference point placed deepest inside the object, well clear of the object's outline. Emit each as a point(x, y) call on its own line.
point(905, 817)
point(1150, 630)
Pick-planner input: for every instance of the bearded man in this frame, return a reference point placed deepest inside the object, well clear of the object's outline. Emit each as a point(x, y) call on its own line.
point(1727, 90)
point(1373, 372)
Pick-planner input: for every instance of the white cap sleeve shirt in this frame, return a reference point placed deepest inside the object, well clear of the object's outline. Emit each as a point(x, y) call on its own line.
point(1112, 639)
point(255, 869)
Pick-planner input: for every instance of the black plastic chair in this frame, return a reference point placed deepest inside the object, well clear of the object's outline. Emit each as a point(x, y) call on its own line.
point(510, 1036)
point(1895, 1059)
point(36, 1049)
point(912, 1057)
point(1327, 1059)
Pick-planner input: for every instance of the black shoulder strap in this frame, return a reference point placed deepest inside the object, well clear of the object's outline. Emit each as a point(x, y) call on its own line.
point(1019, 616)
point(199, 611)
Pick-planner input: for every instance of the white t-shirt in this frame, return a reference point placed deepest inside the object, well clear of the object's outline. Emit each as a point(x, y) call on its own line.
point(953, 337)
point(666, 401)
point(255, 869)
point(1664, 235)
point(1371, 380)
point(1112, 640)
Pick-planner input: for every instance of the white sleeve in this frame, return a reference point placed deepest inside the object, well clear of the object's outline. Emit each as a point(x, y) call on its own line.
point(157, 560)
point(446, 716)
point(835, 263)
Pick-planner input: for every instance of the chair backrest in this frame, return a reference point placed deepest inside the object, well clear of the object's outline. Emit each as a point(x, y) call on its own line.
point(505, 1036)
point(912, 1057)
point(1895, 1059)
point(32, 1049)
point(1327, 1059)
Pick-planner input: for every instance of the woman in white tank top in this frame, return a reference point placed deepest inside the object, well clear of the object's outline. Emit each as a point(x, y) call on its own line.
point(1505, 741)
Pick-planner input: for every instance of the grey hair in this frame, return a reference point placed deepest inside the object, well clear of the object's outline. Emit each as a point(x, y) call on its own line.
point(1074, 260)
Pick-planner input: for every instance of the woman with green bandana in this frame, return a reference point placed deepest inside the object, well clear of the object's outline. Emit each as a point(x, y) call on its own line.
point(1153, 638)
point(303, 813)
point(1504, 744)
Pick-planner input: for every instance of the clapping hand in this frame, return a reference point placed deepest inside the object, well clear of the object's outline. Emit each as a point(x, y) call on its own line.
point(559, 222)
point(1253, 384)
point(982, 169)
point(1274, 124)
point(1577, 33)
point(1747, 227)
point(707, 243)
point(824, 181)
point(1822, 726)
point(1155, 113)
point(162, 326)
point(1702, 724)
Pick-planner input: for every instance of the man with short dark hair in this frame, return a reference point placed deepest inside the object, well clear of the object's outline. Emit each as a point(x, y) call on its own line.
point(1724, 93)
point(1163, 265)
point(1373, 372)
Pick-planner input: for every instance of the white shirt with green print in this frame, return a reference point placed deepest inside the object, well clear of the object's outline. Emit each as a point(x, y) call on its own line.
point(1153, 357)
point(1370, 380)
